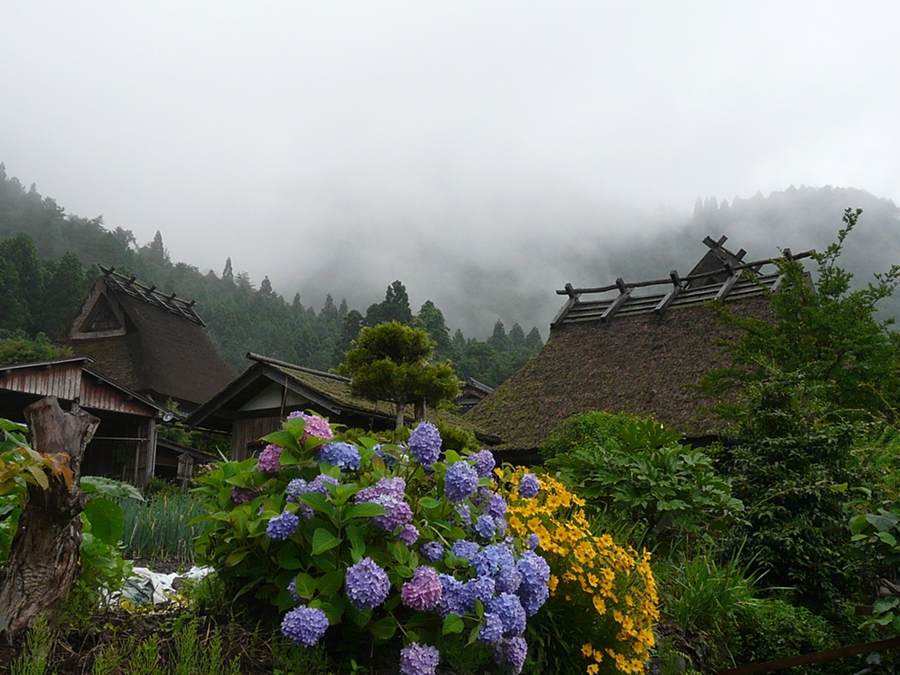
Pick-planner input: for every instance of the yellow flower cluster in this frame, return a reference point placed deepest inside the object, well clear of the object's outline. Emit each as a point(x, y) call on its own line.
point(617, 582)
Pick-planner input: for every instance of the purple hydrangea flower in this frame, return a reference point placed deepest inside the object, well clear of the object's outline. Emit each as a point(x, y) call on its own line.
point(243, 495)
point(484, 463)
point(465, 513)
point(304, 625)
point(295, 488)
point(432, 551)
point(416, 659)
point(511, 654)
point(409, 535)
point(316, 426)
point(320, 484)
point(344, 455)
point(389, 493)
point(501, 526)
point(491, 630)
point(460, 481)
point(292, 589)
point(485, 526)
point(423, 591)
point(529, 486)
point(532, 541)
point(496, 507)
point(425, 443)
point(367, 584)
point(464, 549)
point(489, 560)
point(268, 459)
point(512, 615)
point(282, 526)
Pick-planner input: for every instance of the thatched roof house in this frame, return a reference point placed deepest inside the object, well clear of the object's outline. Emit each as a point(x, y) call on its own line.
point(638, 351)
point(150, 342)
point(257, 401)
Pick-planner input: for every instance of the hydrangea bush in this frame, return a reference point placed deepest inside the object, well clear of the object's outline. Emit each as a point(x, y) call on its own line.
point(404, 545)
point(603, 596)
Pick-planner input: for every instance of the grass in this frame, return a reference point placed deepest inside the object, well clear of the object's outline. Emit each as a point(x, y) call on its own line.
point(158, 528)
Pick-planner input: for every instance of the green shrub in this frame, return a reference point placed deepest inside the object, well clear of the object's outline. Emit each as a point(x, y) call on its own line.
point(635, 469)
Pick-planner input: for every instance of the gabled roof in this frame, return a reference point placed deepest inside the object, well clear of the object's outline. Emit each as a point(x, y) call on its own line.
point(299, 388)
point(635, 352)
point(73, 379)
point(148, 341)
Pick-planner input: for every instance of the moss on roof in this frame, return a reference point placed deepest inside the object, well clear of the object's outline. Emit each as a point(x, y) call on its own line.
point(644, 364)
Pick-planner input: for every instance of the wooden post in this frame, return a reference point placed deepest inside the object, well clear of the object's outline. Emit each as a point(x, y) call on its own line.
point(44, 554)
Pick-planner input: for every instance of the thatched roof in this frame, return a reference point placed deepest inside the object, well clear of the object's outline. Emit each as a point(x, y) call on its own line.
point(636, 352)
point(151, 342)
point(299, 388)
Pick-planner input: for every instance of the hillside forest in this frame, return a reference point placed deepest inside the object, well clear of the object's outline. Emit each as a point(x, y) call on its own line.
point(49, 259)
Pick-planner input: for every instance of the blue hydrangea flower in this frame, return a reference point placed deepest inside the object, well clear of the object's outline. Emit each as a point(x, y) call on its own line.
point(491, 630)
point(367, 584)
point(432, 551)
point(489, 560)
point(454, 598)
point(423, 591)
point(535, 573)
point(510, 654)
point(485, 526)
point(389, 460)
point(512, 615)
point(282, 526)
point(465, 514)
point(479, 588)
point(344, 455)
point(304, 625)
point(292, 589)
point(508, 580)
point(416, 659)
point(409, 535)
point(484, 463)
point(501, 526)
point(464, 549)
point(460, 481)
point(529, 486)
point(295, 488)
point(496, 507)
point(425, 443)
point(532, 541)
point(320, 484)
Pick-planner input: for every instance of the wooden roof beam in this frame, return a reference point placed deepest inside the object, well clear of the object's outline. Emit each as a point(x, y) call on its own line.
point(669, 297)
point(732, 279)
point(616, 305)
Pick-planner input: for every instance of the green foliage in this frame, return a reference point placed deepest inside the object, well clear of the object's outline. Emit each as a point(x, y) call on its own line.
point(390, 362)
point(826, 334)
point(635, 469)
point(17, 347)
point(160, 528)
point(794, 470)
point(700, 595)
point(38, 643)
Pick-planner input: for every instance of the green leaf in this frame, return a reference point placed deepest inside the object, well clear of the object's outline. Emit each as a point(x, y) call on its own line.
point(404, 572)
point(887, 538)
point(366, 510)
point(452, 624)
point(429, 502)
point(306, 586)
point(235, 557)
point(318, 502)
point(323, 541)
point(329, 584)
point(109, 488)
point(283, 438)
point(383, 629)
point(106, 519)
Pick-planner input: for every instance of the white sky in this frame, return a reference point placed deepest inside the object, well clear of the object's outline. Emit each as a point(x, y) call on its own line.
point(458, 146)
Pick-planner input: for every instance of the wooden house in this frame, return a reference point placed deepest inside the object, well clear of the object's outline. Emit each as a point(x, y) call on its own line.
point(471, 395)
point(150, 342)
point(631, 348)
point(257, 401)
point(124, 445)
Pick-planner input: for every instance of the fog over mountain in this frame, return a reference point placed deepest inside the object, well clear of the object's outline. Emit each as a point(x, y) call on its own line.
point(485, 153)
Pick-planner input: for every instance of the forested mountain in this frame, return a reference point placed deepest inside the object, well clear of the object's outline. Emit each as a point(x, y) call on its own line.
point(49, 259)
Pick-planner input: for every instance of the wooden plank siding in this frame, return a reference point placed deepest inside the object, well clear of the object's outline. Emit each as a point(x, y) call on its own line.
point(247, 432)
point(62, 381)
point(95, 393)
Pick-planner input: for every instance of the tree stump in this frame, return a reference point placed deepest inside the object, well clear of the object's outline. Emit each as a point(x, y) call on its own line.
point(43, 558)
